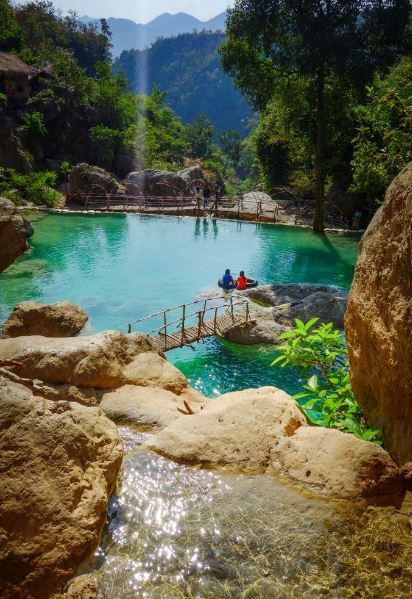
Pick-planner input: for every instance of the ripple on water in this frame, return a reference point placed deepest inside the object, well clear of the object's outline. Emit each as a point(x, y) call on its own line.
point(179, 531)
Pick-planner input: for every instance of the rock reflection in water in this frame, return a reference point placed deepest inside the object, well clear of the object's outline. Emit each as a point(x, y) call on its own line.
point(177, 531)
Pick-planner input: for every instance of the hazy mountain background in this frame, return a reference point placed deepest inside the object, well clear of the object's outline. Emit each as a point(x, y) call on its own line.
point(187, 67)
point(127, 34)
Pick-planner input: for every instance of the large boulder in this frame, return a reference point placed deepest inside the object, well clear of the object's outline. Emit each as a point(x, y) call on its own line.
point(14, 232)
point(148, 406)
point(237, 429)
point(151, 370)
point(273, 309)
point(87, 179)
point(58, 466)
point(96, 361)
point(263, 429)
point(62, 319)
point(191, 175)
point(155, 183)
point(337, 464)
point(378, 320)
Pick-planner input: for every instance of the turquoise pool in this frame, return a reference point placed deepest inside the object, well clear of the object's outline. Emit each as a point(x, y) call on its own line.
point(120, 268)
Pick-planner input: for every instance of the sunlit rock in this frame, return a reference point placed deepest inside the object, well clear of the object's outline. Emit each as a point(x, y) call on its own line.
point(62, 319)
point(337, 464)
point(148, 406)
point(58, 466)
point(379, 323)
point(237, 429)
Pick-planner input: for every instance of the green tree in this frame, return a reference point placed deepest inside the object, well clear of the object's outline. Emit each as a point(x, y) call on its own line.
point(231, 144)
point(341, 41)
point(200, 136)
point(383, 142)
point(10, 33)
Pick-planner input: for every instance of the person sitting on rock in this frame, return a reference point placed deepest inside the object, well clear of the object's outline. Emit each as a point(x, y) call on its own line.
point(241, 282)
point(227, 280)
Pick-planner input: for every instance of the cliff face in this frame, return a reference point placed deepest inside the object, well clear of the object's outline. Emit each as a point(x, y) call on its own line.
point(378, 321)
point(14, 232)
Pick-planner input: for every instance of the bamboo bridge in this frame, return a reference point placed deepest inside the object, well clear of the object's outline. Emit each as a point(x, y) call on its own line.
point(181, 326)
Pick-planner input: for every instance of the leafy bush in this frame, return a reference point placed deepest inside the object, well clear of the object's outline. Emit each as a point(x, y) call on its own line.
point(37, 188)
point(33, 124)
point(327, 399)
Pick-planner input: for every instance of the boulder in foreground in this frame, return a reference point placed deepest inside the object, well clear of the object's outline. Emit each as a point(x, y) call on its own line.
point(14, 232)
point(263, 429)
point(379, 320)
point(337, 464)
point(58, 466)
point(237, 429)
point(62, 319)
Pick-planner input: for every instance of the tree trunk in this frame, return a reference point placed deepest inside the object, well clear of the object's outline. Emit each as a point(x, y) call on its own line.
point(318, 226)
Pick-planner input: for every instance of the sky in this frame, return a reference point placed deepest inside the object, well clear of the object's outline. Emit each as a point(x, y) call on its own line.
point(143, 11)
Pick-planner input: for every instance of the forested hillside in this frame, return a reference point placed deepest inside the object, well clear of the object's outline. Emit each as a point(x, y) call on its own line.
point(188, 69)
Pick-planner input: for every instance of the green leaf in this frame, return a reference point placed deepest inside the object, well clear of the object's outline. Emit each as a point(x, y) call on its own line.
point(311, 322)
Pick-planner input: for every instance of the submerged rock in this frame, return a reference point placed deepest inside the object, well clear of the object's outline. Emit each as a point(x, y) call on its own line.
point(337, 464)
point(62, 319)
point(237, 429)
point(14, 232)
point(378, 321)
point(58, 467)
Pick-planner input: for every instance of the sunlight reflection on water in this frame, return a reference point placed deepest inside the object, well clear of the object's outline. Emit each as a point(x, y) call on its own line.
point(179, 531)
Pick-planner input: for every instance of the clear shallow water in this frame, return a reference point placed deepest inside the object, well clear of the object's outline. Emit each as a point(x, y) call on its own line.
point(122, 268)
point(176, 531)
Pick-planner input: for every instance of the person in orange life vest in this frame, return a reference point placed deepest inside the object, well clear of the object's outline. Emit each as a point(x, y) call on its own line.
point(241, 282)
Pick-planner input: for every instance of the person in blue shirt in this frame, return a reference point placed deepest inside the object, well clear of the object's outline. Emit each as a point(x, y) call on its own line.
point(227, 280)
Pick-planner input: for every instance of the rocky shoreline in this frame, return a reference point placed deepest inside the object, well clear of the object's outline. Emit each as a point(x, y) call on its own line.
point(62, 451)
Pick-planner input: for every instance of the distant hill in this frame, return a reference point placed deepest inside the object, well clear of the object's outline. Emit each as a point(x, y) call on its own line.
point(188, 68)
point(128, 35)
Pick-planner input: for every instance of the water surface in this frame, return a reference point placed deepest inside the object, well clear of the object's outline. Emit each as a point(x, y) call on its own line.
point(120, 268)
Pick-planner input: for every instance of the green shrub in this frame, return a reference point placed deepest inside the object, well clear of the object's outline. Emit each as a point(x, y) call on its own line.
point(37, 188)
point(327, 398)
point(33, 124)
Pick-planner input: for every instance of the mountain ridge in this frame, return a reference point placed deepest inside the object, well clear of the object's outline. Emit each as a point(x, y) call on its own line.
point(129, 35)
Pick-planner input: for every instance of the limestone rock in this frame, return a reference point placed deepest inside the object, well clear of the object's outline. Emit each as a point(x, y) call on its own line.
point(85, 178)
point(155, 183)
point(337, 464)
point(273, 309)
point(151, 370)
point(58, 467)
point(378, 321)
point(191, 175)
point(81, 587)
point(262, 328)
point(62, 319)
point(237, 429)
point(147, 406)
point(14, 232)
point(95, 361)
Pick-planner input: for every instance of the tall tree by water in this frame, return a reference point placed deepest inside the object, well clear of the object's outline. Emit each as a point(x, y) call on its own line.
point(324, 41)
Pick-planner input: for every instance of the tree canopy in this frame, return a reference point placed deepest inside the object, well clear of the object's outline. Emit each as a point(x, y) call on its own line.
point(331, 43)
